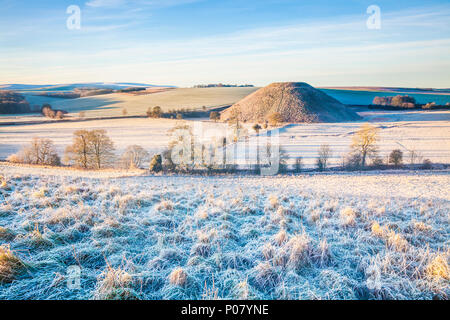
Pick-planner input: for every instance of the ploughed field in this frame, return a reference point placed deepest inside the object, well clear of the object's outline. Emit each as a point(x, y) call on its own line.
point(342, 236)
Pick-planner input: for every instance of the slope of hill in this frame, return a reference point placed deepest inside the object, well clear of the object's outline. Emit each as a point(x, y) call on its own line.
point(12, 102)
point(113, 104)
point(294, 101)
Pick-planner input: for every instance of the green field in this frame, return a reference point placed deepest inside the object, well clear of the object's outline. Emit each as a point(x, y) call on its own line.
point(112, 104)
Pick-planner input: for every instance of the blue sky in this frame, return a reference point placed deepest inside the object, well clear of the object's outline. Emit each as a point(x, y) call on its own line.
point(187, 42)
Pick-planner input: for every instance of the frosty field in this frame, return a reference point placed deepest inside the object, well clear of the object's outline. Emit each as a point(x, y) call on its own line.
point(428, 133)
point(342, 236)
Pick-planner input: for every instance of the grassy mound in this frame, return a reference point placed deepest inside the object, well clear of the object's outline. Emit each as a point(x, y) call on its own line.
point(10, 265)
point(296, 102)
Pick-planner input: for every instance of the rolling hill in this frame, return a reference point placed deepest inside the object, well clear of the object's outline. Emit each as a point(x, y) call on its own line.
point(294, 101)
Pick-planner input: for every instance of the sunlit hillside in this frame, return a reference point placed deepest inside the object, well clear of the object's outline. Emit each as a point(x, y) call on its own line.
point(113, 104)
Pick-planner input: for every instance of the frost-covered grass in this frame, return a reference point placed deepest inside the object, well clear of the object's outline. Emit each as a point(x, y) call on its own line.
point(343, 236)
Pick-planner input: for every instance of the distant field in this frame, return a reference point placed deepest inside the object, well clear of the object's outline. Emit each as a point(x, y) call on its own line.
point(150, 133)
point(426, 132)
point(430, 139)
point(112, 104)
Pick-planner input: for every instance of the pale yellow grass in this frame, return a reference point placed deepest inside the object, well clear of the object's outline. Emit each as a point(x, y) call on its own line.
point(190, 98)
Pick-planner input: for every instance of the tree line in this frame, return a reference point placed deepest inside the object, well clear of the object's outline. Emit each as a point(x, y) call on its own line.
point(405, 102)
point(364, 153)
point(94, 149)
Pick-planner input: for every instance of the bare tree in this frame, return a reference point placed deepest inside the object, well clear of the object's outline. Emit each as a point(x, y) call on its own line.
point(39, 151)
point(273, 156)
point(167, 163)
point(415, 157)
point(324, 156)
point(79, 152)
point(134, 156)
point(257, 128)
point(90, 149)
point(396, 157)
point(102, 148)
point(45, 152)
point(298, 164)
point(364, 142)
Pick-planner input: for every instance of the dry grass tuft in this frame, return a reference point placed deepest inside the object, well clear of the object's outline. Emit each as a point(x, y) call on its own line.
point(393, 239)
point(377, 230)
point(273, 201)
point(266, 275)
point(178, 277)
point(206, 236)
point(347, 216)
point(115, 284)
point(41, 193)
point(268, 251)
point(396, 241)
point(10, 265)
point(298, 250)
point(438, 268)
point(202, 215)
point(323, 253)
point(281, 237)
point(420, 226)
point(164, 205)
point(281, 211)
point(37, 238)
point(3, 183)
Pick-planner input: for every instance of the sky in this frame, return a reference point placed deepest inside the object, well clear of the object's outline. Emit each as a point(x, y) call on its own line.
point(189, 42)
